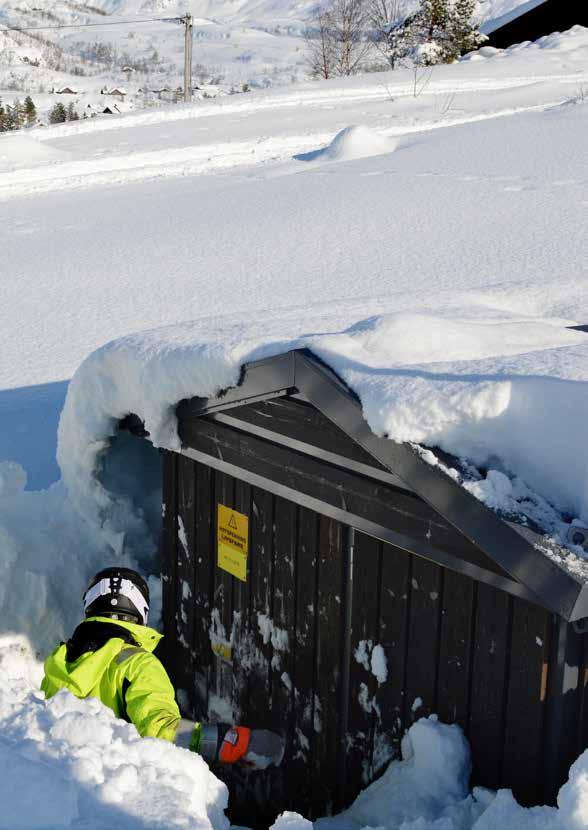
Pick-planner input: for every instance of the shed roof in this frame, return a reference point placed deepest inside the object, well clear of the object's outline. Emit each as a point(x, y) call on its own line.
point(515, 549)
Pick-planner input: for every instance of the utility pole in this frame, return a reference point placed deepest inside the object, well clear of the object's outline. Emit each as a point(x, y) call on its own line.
point(187, 21)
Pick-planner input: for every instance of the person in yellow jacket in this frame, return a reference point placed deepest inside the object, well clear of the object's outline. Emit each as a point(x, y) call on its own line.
point(110, 657)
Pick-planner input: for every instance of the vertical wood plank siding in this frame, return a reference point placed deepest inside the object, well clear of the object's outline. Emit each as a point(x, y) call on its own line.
point(471, 653)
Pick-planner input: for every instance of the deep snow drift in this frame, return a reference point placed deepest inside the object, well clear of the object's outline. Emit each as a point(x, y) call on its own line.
point(70, 763)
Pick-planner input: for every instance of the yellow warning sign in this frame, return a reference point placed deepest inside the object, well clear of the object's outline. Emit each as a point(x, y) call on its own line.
point(232, 535)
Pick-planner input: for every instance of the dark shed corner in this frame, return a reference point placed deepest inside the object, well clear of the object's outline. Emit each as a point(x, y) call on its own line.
point(294, 539)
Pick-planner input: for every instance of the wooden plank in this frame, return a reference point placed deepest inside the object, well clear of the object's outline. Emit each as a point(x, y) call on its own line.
point(168, 545)
point(526, 699)
point(184, 617)
point(280, 630)
point(394, 605)
point(303, 737)
point(242, 620)
point(204, 567)
point(423, 639)
point(489, 678)
point(456, 649)
point(363, 685)
point(283, 614)
point(220, 703)
point(301, 421)
point(261, 580)
point(328, 667)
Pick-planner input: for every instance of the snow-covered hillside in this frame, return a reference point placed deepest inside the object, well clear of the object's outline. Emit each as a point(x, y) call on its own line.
point(254, 42)
point(435, 256)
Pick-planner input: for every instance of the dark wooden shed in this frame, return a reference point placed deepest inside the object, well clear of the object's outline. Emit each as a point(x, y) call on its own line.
point(296, 542)
point(532, 21)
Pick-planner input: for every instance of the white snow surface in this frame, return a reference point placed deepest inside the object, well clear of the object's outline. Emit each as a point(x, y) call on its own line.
point(437, 277)
point(69, 763)
point(428, 790)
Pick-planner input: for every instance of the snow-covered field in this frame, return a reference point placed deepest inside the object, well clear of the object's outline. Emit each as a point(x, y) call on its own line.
point(435, 256)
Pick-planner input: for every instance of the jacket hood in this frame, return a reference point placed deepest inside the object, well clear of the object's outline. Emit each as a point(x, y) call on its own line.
point(146, 637)
point(82, 675)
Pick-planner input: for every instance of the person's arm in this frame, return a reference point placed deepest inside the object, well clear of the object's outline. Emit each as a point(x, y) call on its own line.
point(147, 694)
point(150, 704)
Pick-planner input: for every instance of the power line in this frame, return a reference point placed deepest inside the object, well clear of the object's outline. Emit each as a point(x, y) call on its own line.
point(88, 25)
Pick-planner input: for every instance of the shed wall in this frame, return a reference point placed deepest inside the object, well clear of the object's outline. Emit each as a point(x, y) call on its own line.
point(550, 16)
point(473, 654)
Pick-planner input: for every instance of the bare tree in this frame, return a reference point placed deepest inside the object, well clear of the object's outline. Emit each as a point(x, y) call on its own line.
point(320, 44)
point(336, 39)
point(350, 21)
point(392, 30)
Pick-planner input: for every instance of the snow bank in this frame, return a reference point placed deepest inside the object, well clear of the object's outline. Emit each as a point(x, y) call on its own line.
point(428, 789)
point(21, 150)
point(353, 143)
point(69, 763)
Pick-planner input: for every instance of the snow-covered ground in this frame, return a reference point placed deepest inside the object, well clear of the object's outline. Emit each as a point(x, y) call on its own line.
point(434, 256)
point(254, 42)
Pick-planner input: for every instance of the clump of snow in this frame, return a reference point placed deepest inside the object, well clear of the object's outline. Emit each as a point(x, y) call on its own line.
point(351, 143)
point(379, 664)
point(372, 658)
point(271, 633)
point(69, 763)
point(291, 821)
point(13, 478)
point(428, 786)
point(361, 653)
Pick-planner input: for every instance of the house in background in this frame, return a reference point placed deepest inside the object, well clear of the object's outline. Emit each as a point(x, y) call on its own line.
point(116, 91)
point(535, 19)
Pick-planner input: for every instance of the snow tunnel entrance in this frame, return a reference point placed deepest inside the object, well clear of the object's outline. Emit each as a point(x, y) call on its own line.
point(131, 471)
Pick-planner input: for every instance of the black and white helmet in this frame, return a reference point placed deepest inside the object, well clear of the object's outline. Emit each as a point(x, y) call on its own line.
point(120, 593)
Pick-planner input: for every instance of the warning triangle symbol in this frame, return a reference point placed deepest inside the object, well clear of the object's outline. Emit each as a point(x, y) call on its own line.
point(233, 522)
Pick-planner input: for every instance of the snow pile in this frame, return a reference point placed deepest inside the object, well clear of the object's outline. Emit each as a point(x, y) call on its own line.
point(68, 763)
point(428, 784)
point(429, 790)
point(352, 143)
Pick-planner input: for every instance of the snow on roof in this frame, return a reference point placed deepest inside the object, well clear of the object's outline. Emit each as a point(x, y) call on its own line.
point(507, 393)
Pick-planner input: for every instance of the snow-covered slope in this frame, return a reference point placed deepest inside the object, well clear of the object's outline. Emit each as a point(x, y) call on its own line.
point(254, 42)
point(434, 257)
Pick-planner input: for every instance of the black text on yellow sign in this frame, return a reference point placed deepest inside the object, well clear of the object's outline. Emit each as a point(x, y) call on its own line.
point(232, 536)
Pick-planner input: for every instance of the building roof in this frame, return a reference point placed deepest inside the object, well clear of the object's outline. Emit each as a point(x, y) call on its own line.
point(517, 552)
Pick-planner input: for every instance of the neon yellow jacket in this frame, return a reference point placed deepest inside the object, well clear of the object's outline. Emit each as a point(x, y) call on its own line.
point(128, 678)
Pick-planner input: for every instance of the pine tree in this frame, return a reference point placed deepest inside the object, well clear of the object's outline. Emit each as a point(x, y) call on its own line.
point(19, 113)
point(72, 115)
point(432, 22)
point(464, 35)
point(58, 114)
point(30, 111)
point(3, 127)
point(12, 120)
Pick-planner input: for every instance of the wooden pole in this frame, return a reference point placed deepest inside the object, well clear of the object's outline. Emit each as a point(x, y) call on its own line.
point(187, 21)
